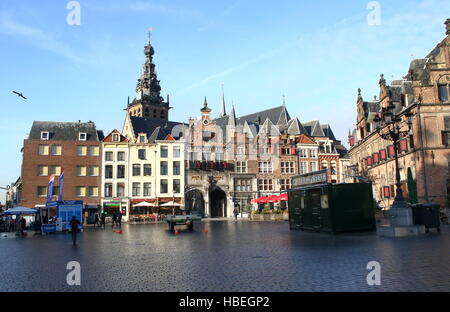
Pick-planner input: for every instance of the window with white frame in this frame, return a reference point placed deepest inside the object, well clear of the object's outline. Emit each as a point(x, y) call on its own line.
point(303, 153)
point(82, 136)
point(176, 152)
point(241, 150)
point(241, 166)
point(303, 167)
point(108, 156)
point(116, 137)
point(313, 153)
point(147, 189)
point(243, 185)
point(45, 135)
point(313, 166)
point(287, 167)
point(285, 184)
point(265, 185)
point(265, 167)
point(136, 189)
point(120, 156)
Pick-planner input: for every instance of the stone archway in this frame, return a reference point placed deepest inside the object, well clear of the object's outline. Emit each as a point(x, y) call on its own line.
point(195, 202)
point(217, 203)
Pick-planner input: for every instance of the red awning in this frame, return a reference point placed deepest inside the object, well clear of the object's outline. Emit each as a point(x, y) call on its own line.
point(273, 199)
point(283, 197)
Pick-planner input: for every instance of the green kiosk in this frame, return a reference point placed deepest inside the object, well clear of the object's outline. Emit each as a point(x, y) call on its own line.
point(316, 205)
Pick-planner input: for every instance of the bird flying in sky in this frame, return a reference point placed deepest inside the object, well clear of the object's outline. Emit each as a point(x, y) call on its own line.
point(19, 94)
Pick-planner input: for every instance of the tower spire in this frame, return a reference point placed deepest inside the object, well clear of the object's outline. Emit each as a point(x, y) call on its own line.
point(149, 102)
point(150, 29)
point(223, 112)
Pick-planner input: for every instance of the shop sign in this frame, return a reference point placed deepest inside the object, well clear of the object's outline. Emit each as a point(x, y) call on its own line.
point(317, 177)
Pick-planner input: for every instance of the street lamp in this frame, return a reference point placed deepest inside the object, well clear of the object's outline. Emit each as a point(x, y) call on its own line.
point(400, 211)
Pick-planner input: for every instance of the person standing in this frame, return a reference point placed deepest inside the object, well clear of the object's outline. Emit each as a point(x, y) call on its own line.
point(103, 220)
point(114, 219)
point(96, 220)
point(74, 226)
point(23, 225)
point(119, 218)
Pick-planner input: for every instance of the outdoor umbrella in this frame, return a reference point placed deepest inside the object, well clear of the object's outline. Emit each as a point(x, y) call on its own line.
point(145, 204)
point(20, 211)
point(262, 200)
point(273, 199)
point(283, 197)
point(171, 204)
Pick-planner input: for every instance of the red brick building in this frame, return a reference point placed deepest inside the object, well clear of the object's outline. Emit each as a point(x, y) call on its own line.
point(424, 155)
point(52, 146)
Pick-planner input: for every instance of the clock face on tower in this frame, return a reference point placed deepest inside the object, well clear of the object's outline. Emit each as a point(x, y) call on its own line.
point(206, 122)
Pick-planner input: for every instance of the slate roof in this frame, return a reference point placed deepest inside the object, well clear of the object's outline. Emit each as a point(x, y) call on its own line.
point(328, 132)
point(155, 129)
point(65, 131)
point(273, 114)
point(314, 128)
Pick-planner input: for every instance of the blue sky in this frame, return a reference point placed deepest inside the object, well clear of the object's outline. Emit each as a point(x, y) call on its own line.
point(317, 53)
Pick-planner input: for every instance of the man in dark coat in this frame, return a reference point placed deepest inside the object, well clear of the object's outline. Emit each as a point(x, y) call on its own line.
point(120, 219)
point(103, 220)
point(74, 227)
point(114, 219)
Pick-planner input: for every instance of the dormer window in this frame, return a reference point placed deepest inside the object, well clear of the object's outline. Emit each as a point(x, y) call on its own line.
point(116, 137)
point(142, 138)
point(82, 136)
point(45, 135)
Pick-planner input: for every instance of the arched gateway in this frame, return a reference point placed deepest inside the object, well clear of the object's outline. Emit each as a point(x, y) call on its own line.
point(195, 201)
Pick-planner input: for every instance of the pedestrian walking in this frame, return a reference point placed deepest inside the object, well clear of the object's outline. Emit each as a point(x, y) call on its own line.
point(96, 220)
point(235, 212)
point(119, 218)
point(74, 226)
point(23, 225)
point(114, 219)
point(103, 220)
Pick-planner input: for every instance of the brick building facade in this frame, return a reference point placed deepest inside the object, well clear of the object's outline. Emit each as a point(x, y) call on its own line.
point(54, 146)
point(424, 155)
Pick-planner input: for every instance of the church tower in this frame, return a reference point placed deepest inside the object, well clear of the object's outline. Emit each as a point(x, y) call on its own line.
point(148, 102)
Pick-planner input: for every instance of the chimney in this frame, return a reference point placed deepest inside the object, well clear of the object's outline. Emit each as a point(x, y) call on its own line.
point(447, 26)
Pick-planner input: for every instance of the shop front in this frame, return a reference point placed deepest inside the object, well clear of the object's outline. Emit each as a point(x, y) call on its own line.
point(113, 206)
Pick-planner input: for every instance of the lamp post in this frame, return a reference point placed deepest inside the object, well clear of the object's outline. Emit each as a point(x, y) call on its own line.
point(388, 126)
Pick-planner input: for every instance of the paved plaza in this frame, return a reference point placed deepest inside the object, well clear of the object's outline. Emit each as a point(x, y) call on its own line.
point(231, 256)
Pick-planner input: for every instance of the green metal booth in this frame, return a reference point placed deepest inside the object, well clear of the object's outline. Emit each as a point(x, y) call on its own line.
point(316, 205)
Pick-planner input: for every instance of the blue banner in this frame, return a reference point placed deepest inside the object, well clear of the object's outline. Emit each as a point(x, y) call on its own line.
point(61, 185)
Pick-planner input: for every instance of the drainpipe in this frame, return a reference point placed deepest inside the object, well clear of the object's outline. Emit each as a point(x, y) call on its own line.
point(423, 153)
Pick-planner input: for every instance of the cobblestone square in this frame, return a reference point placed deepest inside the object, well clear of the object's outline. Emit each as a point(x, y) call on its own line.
point(231, 256)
